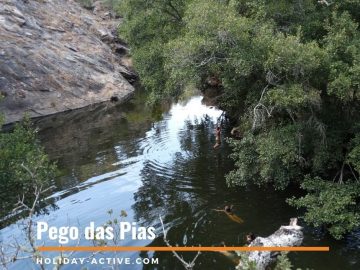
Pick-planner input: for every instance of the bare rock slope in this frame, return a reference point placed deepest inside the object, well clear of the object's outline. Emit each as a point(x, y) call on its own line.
point(57, 56)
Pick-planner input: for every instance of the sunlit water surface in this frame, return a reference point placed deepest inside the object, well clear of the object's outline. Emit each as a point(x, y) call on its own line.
point(162, 162)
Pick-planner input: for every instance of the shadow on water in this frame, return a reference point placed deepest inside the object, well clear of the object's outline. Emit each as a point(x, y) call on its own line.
point(86, 142)
point(162, 162)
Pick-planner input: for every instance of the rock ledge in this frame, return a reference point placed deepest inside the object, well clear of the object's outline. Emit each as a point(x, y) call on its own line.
point(57, 56)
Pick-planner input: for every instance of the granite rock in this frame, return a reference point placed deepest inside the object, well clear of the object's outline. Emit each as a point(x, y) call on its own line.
point(57, 56)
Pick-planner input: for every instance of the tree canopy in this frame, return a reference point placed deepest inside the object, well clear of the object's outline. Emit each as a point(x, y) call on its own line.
point(289, 72)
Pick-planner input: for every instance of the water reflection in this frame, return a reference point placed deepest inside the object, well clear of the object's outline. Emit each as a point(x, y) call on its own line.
point(175, 165)
point(162, 163)
point(186, 182)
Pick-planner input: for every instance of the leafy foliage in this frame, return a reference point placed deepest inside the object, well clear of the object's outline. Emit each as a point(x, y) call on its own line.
point(330, 204)
point(283, 262)
point(23, 167)
point(149, 26)
point(287, 70)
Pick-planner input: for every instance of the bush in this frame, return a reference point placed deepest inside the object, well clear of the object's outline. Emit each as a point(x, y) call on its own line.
point(24, 166)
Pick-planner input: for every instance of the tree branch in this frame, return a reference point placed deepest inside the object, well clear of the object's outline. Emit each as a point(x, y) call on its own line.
point(324, 2)
point(188, 266)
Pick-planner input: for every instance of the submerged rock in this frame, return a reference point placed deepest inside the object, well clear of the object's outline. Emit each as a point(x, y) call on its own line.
point(57, 56)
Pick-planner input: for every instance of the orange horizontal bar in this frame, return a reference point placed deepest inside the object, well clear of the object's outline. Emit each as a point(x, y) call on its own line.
point(135, 248)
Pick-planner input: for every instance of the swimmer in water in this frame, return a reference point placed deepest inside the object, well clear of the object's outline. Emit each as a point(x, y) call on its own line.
point(232, 255)
point(250, 237)
point(217, 137)
point(228, 210)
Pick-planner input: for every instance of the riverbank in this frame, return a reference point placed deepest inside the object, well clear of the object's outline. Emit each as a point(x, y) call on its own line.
point(57, 56)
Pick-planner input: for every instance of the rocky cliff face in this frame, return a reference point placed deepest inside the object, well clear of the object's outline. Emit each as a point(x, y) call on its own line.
point(56, 56)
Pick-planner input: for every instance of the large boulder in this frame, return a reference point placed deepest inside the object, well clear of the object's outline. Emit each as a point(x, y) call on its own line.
point(57, 56)
point(286, 236)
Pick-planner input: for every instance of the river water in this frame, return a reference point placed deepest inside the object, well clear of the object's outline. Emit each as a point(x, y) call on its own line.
point(162, 162)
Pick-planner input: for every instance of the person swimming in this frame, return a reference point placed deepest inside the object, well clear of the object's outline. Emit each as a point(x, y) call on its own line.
point(217, 137)
point(228, 210)
point(232, 255)
point(250, 237)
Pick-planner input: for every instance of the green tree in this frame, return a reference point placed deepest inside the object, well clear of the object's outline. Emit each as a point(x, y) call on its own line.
point(288, 71)
point(148, 26)
point(24, 167)
point(330, 205)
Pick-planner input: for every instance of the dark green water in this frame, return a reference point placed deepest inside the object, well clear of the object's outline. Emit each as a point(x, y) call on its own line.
point(163, 163)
